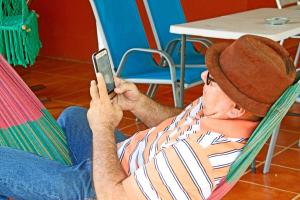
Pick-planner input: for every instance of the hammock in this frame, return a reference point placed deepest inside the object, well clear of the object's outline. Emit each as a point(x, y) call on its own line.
point(25, 123)
point(258, 139)
point(19, 38)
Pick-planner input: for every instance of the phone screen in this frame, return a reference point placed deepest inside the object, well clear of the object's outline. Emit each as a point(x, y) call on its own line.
point(102, 65)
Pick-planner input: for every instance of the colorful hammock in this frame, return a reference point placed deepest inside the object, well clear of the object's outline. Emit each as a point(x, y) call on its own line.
point(258, 139)
point(24, 122)
point(19, 38)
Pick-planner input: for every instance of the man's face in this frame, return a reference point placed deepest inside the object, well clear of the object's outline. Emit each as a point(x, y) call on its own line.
point(216, 104)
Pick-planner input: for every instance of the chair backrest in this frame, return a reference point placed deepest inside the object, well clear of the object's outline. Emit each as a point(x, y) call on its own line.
point(258, 138)
point(120, 27)
point(162, 14)
point(285, 3)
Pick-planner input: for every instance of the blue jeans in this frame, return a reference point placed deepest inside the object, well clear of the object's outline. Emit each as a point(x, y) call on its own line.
point(26, 176)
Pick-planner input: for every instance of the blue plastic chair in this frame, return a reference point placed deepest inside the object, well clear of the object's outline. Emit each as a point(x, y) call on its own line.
point(121, 31)
point(163, 14)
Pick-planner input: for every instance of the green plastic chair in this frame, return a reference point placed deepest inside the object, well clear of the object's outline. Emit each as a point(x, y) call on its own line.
point(19, 38)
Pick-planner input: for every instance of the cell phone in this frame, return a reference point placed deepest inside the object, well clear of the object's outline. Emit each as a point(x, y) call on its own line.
point(102, 65)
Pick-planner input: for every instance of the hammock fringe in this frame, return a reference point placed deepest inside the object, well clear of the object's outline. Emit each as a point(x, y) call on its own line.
point(20, 43)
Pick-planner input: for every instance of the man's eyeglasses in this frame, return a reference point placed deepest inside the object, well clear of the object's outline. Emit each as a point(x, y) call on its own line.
point(209, 79)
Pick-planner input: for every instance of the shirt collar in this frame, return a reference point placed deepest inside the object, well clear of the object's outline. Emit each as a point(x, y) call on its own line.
point(229, 127)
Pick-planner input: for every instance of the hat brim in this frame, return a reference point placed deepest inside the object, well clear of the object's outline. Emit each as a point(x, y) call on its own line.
point(215, 69)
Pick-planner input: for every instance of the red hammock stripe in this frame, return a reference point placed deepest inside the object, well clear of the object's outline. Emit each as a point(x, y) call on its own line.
point(25, 124)
point(16, 95)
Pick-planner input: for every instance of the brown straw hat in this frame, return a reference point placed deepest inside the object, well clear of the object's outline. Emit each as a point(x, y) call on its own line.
point(253, 71)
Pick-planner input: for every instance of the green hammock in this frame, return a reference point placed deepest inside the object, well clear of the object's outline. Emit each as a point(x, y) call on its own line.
point(19, 38)
point(258, 138)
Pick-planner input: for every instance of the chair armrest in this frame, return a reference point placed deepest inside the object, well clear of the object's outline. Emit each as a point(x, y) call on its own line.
point(173, 43)
point(205, 42)
point(163, 54)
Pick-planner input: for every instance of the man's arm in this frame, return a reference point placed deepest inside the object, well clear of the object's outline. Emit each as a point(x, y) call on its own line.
point(104, 117)
point(152, 113)
point(148, 111)
point(107, 170)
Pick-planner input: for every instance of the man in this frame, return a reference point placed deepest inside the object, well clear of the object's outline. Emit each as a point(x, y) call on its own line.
point(183, 156)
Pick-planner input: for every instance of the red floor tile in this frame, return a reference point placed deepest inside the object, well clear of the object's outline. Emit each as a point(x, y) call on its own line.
point(246, 191)
point(278, 177)
point(289, 158)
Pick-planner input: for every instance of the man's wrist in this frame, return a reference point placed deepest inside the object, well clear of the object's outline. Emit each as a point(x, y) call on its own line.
point(103, 128)
point(139, 104)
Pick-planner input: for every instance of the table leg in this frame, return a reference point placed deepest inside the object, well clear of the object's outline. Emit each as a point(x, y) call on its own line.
point(182, 69)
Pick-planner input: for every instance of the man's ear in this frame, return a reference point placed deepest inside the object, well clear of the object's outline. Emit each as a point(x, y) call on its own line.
point(236, 112)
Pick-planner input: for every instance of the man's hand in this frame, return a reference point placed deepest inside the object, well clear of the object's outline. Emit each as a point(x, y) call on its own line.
point(103, 113)
point(127, 94)
point(104, 116)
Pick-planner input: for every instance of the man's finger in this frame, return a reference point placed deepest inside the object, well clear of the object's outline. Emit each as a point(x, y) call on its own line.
point(118, 81)
point(102, 87)
point(94, 90)
point(114, 100)
point(116, 106)
point(123, 88)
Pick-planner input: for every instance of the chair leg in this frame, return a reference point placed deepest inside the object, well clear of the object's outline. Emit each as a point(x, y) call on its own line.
point(177, 94)
point(271, 150)
point(152, 90)
point(253, 166)
point(298, 99)
point(297, 55)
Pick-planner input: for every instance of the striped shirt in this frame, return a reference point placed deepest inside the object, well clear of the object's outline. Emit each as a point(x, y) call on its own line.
point(184, 157)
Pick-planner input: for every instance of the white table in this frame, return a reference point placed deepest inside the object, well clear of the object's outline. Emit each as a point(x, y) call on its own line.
point(250, 22)
point(236, 25)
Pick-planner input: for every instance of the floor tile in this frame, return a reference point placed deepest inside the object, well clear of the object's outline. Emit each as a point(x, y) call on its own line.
point(53, 66)
point(278, 177)
point(80, 71)
point(286, 138)
point(296, 146)
point(34, 78)
point(128, 114)
point(289, 158)
point(291, 123)
point(262, 154)
point(126, 122)
point(55, 89)
point(246, 191)
point(81, 97)
point(56, 107)
point(130, 130)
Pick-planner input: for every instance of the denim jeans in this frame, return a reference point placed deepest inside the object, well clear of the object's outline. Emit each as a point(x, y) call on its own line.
point(26, 176)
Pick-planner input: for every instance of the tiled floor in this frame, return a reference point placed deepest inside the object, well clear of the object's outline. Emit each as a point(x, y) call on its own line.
point(67, 84)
